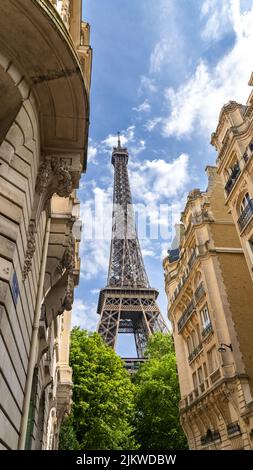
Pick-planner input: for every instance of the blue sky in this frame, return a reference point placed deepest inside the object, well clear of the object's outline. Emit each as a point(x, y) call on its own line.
point(161, 72)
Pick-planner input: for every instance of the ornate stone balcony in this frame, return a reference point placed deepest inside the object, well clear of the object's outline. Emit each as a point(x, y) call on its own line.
point(246, 215)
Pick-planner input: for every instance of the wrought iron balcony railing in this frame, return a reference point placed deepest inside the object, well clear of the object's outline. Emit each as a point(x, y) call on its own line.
point(207, 330)
point(192, 259)
point(232, 179)
point(195, 352)
point(246, 215)
point(210, 436)
point(233, 428)
point(186, 315)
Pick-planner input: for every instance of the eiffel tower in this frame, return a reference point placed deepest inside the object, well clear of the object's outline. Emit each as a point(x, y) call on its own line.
point(127, 304)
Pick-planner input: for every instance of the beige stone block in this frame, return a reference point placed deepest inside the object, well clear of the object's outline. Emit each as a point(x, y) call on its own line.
point(13, 353)
point(24, 89)
point(20, 317)
point(5, 269)
point(10, 374)
point(9, 404)
point(24, 121)
point(15, 136)
point(20, 182)
point(4, 61)
point(8, 433)
point(10, 330)
point(10, 209)
point(8, 228)
point(6, 151)
point(22, 167)
point(7, 247)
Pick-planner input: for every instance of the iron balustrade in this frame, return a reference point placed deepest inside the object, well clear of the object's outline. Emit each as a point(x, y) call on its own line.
point(186, 315)
point(207, 330)
point(210, 436)
point(232, 179)
point(192, 259)
point(195, 352)
point(233, 428)
point(246, 215)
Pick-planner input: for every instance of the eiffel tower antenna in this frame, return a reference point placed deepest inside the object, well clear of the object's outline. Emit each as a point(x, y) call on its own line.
point(119, 144)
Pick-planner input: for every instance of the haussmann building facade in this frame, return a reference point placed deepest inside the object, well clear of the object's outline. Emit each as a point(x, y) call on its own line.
point(45, 67)
point(210, 300)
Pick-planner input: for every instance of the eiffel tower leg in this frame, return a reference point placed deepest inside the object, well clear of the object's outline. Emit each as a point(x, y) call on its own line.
point(108, 326)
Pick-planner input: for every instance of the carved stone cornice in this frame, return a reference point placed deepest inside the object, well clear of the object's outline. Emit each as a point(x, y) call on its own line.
point(54, 177)
point(30, 249)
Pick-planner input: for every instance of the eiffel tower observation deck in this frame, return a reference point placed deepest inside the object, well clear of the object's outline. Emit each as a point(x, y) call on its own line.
point(127, 304)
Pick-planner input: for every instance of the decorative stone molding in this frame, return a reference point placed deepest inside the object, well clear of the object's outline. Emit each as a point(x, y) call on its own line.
point(194, 194)
point(31, 245)
point(68, 263)
point(68, 260)
point(54, 177)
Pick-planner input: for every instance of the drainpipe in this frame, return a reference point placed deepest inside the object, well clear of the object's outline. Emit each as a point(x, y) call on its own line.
point(34, 341)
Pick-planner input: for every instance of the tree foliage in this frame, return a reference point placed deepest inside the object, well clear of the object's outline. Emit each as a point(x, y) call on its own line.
point(157, 397)
point(102, 396)
point(113, 411)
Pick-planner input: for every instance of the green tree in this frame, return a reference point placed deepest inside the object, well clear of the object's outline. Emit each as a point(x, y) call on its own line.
point(102, 397)
point(68, 438)
point(156, 420)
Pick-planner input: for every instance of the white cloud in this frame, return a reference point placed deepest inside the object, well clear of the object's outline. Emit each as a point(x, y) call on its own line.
point(218, 15)
point(92, 152)
point(94, 291)
point(84, 315)
point(127, 139)
point(126, 136)
point(143, 107)
point(152, 123)
point(196, 104)
point(152, 180)
point(147, 84)
point(162, 53)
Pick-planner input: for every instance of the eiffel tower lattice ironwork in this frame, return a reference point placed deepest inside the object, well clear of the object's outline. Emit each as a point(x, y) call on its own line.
point(127, 304)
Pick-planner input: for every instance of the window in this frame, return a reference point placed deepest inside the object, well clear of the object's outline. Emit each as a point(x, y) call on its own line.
point(245, 201)
point(205, 370)
point(194, 379)
point(194, 339)
point(200, 375)
point(189, 344)
point(251, 245)
point(205, 317)
point(212, 360)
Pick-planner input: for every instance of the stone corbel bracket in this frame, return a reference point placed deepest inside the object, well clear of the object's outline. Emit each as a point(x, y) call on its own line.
point(54, 177)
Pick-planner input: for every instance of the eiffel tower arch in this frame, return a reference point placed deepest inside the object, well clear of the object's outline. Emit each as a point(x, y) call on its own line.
point(127, 304)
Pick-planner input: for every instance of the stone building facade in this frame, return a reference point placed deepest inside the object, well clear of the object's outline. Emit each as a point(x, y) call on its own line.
point(210, 299)
point(233, 139)
point(45, 68)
